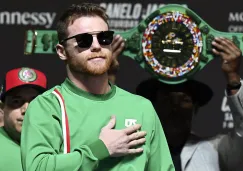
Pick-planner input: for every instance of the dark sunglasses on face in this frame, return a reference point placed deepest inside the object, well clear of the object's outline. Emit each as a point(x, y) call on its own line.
point(85, 40)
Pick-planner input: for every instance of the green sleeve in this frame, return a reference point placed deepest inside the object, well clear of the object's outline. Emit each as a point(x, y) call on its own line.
point(41, 141)
point(160, 157)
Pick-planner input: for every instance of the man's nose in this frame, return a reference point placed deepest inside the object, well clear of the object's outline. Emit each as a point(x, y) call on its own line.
point(95, 46)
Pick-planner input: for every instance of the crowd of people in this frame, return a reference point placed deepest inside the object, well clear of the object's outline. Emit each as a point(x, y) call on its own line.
point(81, 124)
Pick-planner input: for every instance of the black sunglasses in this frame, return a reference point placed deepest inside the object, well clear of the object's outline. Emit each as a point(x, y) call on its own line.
point(85, 40)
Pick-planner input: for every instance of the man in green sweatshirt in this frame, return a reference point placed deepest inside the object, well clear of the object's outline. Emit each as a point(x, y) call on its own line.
point(87, 123)
point(21, 86)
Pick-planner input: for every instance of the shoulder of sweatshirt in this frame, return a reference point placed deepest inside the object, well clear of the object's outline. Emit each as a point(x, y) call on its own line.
point(133, 98)
point(47, 100)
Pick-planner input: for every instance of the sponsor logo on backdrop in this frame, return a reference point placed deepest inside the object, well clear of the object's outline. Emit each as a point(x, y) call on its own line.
point(235, 22)
point(228, 119)
point(124, 16)
point(44, 19)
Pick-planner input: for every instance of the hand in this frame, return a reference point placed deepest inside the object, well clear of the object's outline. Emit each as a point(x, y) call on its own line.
point(230, 55)
point(117, 46)
point(120, 142)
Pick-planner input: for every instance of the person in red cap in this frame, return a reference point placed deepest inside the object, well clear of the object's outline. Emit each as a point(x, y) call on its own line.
point(21, 86)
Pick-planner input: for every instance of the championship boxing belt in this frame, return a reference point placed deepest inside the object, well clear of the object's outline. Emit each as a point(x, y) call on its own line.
point(172, 43)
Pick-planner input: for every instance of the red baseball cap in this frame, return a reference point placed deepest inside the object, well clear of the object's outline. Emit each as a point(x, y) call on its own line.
point(22, 77)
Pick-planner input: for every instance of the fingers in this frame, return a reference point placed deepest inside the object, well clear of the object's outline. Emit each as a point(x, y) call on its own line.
point(225, 45)
point(220, 53)
point(229, 44)
point(132, 129)
point(111, 124)
point(117, 45)
point(216, 52)
point(222, 46)
point(136, 135)
point(137, 142)
point(234, 49)
point(134, 151)
point(119, 49)
point(115, 42)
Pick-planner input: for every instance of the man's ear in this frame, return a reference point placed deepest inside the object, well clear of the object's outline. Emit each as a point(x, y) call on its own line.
point(61, 52)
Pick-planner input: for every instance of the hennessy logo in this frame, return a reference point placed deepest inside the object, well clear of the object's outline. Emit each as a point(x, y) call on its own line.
point(45, 19)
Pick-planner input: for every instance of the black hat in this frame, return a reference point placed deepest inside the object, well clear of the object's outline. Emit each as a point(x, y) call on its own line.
point(200, 92)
